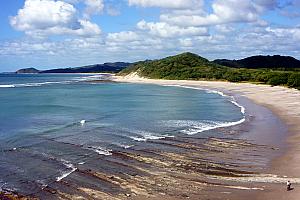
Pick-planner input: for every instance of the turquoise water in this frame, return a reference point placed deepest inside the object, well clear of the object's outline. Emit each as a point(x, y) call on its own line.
point(42, 139)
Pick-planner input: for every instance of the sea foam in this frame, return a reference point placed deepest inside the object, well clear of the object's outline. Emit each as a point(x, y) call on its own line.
point(150, 137)
point(143, 136)
point(71, 168)
point(210, 125)
point(200, 127)
point(100, 150)
point(74, 80)
point(231, 98)
point(7, 86)
point(34, 84)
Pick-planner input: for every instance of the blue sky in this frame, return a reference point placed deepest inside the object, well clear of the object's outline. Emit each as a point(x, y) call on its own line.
point(66, 33)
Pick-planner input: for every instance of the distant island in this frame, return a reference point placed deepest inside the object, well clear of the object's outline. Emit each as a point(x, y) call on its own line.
point(27, 71)
point(97, 68)
point(189, 66)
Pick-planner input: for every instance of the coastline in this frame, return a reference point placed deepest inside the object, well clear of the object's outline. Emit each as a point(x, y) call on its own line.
point(281, 101)
point(234, 164)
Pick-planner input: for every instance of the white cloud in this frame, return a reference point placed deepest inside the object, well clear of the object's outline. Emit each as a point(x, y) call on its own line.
point(125, 36)
point(263, 5)
point(172, 4)
point(224, 28)
point(165, 30)
point(208, 29)
point(43, 14)
point(86, 29)
point(223, 11)
point(186, 42)
point(242, 42)
point(93, 7)
point(234, 11)
point(113, 10)
point(291, 33)
point(46, 17)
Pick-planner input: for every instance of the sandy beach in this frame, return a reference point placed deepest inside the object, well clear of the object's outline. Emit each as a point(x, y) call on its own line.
point(283, 102)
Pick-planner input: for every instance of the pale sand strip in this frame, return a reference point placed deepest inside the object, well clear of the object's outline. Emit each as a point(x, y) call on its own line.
point(284, 102)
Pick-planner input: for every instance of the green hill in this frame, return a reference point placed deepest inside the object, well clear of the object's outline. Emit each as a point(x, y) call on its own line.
point(189, 66)
point(182, 66)
point(286, 63)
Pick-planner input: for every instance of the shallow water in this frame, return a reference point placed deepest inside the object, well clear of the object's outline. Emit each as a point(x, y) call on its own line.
point(42, 139)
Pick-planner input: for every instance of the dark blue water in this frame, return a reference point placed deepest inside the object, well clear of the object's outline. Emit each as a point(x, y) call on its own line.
point(40, 121)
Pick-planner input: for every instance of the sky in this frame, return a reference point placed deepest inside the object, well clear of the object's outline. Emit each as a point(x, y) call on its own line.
point(67, 33)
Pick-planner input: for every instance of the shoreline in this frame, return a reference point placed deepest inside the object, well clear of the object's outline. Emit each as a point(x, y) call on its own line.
point(280, 100)
point(233, 164)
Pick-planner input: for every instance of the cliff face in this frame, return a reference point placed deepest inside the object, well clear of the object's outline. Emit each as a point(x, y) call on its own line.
point(27, 71)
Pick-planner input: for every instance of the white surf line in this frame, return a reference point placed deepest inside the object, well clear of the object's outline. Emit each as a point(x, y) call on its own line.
point(7, 86)
point(195, 130)
point(264, 178)
point(138, 139)
point(124, 146)
point(99, 150)
point(145, 138)
point(65, 174)
point(35, 84)
point(233, 101)
point(242, 187)
point(1, 187)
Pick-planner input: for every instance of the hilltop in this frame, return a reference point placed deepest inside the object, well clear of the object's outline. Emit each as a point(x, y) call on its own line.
point(183, 66)
point(256, 62)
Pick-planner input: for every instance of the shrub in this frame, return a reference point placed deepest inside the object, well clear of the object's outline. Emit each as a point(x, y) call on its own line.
point(294, 80)
point(278, 79)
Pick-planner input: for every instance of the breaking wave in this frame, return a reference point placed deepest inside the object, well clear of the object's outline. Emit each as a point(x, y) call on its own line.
point(100, 150)
point(73, 80)
point(35, 84)
point(195, 127)
point(143, 136)
point(70, 167)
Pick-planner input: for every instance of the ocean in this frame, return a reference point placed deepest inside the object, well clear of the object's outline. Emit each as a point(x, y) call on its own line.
point(51, 125)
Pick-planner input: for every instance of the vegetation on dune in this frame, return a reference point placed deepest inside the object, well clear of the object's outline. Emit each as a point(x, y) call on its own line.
point(188, 66)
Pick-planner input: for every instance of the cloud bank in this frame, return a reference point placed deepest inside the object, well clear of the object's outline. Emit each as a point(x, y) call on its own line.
point(69, 31)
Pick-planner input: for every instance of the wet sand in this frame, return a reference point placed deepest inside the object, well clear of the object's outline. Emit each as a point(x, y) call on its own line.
point(284, 103)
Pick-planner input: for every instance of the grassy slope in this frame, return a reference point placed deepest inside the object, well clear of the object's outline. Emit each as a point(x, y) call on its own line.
point(188, 66)
point(182, 66)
